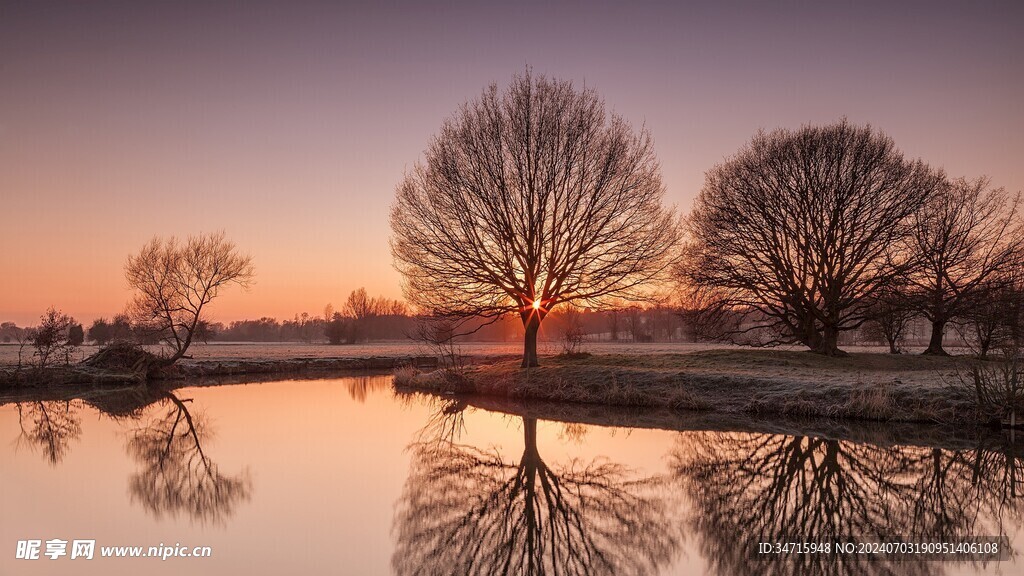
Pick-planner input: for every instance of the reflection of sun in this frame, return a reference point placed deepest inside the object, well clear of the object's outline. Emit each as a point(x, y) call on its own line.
point(536, 304)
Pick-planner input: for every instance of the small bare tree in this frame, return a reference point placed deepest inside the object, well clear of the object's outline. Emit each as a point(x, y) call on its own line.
point(531, 199)
point(572, 334)
point(23, 337)
point(997, 386)
point(359, 308)
point(437, 335)
point(328, 315)
point(994, 320)
point(613, 325)
point(964, 237)
point(889, 315)
point(796, 232)
point(175, 281)
point(51, 340)
point(637, 324)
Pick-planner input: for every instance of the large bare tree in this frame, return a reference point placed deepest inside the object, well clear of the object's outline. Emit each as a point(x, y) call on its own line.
point(795, 233)
point(528, 199)
point(965, 236)
point(175, 281)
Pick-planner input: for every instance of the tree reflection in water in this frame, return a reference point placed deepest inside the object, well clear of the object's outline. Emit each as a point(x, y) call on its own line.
point(50, 426)
point(175, 475)
point(468, 511)
point(751, 488)
point(360, 387)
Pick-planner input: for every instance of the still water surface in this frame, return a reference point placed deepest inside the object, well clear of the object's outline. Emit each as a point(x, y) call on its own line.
point(344, 476)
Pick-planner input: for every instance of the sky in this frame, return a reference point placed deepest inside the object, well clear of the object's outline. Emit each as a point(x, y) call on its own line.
point(288, 125)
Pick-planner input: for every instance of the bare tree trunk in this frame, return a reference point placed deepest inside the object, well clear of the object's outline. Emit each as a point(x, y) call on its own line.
point(893, 348)
point(983, 345)
point(812, 336)
point(935, 343)
point(531, 321)
point(829, 343)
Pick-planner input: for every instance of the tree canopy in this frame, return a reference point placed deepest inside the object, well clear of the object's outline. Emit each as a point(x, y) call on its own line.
point(175, 281)
point(795, 234)
point(531, 198)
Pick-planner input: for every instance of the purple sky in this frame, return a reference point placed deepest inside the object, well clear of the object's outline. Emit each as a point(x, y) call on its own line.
point(289, 125)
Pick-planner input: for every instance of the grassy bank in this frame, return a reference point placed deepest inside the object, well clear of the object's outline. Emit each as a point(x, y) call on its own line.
point(878, 387)
point(76, 374)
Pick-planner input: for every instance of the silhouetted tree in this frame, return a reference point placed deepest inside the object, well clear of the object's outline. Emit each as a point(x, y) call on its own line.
point(23, 337)
point(51, 339)
point(76, 334)
point(890, 314)
point(613, 325)
point(530, 199)
point(796, 231)
point(121, 328)
point(639, 331)
point(963, 236)
point(358, 307)
point(994, 320)
point(572, 334)
point(203, 332)
point(262, 330)
point(339, 329)
point(100, 331)
point(9, 332)
point(328, 314)
point(174, 282)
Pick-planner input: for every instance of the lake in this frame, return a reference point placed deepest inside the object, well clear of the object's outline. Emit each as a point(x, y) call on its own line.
point(347, 476)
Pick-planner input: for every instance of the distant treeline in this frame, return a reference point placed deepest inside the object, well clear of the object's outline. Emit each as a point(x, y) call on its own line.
point(381, 319)
point(365, 319)
point(390, 320)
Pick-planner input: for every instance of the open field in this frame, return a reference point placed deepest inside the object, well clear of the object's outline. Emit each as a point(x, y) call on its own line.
point(259, 351)
point(234, 351)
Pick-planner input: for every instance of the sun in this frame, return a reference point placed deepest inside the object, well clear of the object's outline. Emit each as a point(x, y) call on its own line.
point(536, 304)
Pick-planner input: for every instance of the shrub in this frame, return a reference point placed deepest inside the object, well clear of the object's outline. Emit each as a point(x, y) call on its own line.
point(998, 386)
point(51, 341)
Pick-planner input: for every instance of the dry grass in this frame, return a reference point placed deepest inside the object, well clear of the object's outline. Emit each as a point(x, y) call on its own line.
point(875, 403)
point(442, 380)
point(405, 375)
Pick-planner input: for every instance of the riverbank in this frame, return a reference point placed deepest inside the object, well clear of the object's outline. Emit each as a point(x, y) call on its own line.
point(131, 401)
point(770, 383)
point(931, 435)
point(864, 386)
point(283, 358)
point(77, 374)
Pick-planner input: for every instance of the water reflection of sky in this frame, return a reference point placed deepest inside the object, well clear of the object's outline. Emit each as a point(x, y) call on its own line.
point(345, 476)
